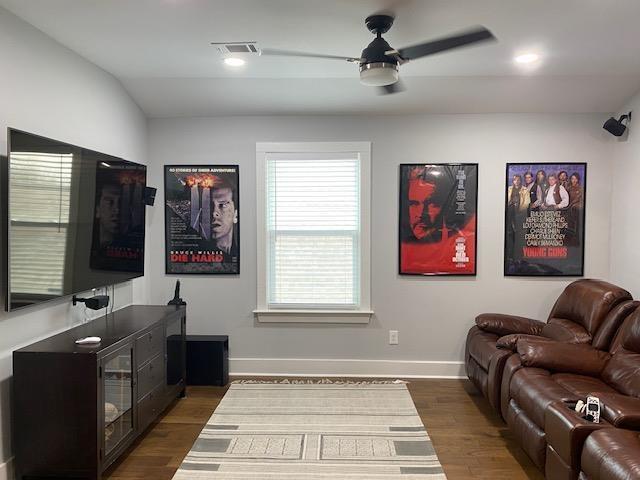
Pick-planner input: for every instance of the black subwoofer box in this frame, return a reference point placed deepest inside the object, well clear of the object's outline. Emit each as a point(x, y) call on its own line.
point(207, 360)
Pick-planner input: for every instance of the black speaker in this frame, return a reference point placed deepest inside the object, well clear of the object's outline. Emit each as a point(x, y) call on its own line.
point(207, 360)
point(616, 127)
point(149, 195)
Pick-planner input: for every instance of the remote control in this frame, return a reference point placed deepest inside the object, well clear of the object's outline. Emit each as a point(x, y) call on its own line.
point(593, 409)
point(88, 340)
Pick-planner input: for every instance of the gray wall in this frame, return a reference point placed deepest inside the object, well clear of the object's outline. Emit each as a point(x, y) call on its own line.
point(431, 314)
point(625, 228)
point(47, 89)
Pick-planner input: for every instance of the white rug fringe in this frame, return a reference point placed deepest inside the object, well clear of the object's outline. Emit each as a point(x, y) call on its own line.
point(326, 381)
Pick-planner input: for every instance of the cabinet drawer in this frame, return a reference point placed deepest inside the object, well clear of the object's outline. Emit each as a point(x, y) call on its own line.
point(149, 345)
point(149, 408)
point(151, 375)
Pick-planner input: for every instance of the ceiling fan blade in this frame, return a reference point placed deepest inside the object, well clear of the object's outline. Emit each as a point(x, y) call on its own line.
point(476, 35)
point(393, 88)
point(291, 53)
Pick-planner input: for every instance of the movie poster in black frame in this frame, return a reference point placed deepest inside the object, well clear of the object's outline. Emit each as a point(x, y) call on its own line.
point(438, 219)
point(545, 219)
point(202, 219)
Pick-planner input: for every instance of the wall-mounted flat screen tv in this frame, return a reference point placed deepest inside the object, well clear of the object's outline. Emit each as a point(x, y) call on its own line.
point(75, 219)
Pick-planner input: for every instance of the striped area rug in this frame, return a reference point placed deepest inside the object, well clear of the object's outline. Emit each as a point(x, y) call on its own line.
point(310, 431)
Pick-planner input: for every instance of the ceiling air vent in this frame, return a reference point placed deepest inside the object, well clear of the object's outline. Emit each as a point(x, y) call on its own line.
point(230, 48)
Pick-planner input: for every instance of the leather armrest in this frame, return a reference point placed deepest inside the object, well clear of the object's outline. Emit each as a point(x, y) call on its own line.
point(566, 431)
point(562, 357)
point(501, 324)
point(620, 410)
point(564, 330)
point(509, 342)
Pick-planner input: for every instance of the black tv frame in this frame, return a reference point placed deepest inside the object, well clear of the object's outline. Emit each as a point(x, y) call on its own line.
point(5, 225)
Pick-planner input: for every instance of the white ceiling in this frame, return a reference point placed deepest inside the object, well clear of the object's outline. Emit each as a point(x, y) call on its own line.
point(160, 50)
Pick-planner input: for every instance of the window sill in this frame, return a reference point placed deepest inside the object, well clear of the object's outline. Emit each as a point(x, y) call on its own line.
point(313, 316)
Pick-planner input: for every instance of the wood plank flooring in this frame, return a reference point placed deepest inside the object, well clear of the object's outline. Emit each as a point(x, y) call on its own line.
point(470, 439)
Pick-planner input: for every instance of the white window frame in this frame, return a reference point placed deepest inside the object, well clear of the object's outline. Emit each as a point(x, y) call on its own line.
point(263, 312)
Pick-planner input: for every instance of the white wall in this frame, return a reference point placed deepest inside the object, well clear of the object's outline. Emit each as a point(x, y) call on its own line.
point(431, 314)
point(49, 90)
point(625, 228)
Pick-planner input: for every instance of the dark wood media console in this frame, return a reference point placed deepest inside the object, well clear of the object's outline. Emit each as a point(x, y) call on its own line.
point(77, 408)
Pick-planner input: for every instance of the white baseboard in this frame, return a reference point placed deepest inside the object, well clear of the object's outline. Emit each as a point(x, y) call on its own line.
point(6, 470)
point(331, 367)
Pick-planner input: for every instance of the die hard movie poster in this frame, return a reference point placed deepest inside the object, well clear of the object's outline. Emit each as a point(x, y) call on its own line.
point(202, 222)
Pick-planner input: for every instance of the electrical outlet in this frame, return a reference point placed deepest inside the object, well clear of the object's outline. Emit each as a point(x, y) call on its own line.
point(393, 337)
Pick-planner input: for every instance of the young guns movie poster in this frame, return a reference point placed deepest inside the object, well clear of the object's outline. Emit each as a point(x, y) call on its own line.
point(117, 242)
point(544, 219)
point(202, 219)
point(438, 207)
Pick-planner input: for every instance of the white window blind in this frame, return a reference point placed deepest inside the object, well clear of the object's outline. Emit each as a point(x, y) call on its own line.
point(39, 201)
point(313, 230)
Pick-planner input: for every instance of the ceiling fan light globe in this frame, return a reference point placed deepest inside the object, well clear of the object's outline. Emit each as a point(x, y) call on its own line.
point(378, 74)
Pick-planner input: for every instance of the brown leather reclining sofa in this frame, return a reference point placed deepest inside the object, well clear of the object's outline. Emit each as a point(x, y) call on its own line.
point(585, 312)
point(534, 372)
point(553, 377)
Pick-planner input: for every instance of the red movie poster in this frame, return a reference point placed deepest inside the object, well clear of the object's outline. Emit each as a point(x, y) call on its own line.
point(202, 222)
point(438, 209)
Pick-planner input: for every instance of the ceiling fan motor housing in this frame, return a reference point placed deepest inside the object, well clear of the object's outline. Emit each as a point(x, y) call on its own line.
point(378, 69)
point(379, 24)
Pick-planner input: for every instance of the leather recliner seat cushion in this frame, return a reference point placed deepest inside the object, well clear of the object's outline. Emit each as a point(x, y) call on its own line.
point(581, 385)
point(611, 454)
point(534, 389)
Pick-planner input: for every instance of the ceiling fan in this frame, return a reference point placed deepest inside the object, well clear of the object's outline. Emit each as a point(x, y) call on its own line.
point(379, 62)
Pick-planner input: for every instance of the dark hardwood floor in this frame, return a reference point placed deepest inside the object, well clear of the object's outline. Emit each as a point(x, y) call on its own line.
point(470, 439)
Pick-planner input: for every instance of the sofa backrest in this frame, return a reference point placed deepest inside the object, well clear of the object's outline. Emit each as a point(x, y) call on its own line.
point(587, 302)
point(622, 371)
point(603, 339)
point(627, 339)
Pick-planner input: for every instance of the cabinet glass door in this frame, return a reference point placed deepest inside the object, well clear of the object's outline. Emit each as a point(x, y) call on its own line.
point(118, 397)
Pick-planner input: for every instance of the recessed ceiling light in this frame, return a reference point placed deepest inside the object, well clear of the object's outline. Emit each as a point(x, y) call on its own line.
point(234, 61)
point(527, 58)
